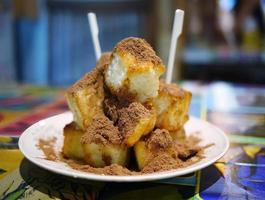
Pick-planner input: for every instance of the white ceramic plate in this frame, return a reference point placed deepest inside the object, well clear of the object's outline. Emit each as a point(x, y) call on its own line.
point(53, 127)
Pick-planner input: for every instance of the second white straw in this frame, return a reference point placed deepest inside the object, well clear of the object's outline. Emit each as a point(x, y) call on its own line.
point(177, 29)
point(94, 32)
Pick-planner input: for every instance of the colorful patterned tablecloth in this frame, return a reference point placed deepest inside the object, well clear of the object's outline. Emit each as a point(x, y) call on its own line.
point(240, 174)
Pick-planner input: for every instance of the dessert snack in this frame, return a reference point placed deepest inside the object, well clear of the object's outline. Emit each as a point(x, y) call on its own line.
point(156, 143)
point(85, 97)
point(102, 143)
point(134, 70)
point(172, 107)
point(120, 106)
point(135, 121)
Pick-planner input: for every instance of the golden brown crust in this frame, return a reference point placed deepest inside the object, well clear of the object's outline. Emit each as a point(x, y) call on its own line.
point(172, 89)
point(138, 48)
point(72, 125)
point(172, 105)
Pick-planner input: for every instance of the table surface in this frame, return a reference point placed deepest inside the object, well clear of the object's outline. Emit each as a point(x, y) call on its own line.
point(238, 109)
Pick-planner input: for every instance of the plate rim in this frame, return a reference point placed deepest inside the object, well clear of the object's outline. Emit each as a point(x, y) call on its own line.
point(114, 178)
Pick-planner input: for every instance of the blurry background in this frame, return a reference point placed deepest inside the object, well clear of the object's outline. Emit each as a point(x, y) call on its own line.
point(48, 42)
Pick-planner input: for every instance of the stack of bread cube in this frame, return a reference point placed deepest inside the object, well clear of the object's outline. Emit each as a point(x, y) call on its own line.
point(123, 95)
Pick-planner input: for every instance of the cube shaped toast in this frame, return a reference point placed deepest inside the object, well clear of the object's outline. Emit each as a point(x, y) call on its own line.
point(85, 97)
point(148, 148)
point(172, 106)
point(72, 142)
point(102, 143)
point(134, 70)
point(134, 120)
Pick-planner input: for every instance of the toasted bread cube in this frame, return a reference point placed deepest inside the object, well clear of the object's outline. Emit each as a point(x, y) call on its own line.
point(142, 154)
point(149, 147)
point(134, 70)
point(172, 106)
point(102, 144)
point(135, 121)
point(86, 96)
point(99, 155)
point(72, 142)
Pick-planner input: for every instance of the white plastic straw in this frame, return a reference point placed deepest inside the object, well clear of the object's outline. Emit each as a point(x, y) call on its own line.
point(177, 29)
point(94, 32)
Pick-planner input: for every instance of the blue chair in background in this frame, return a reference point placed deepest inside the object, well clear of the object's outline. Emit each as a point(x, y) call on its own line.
point(54, 47)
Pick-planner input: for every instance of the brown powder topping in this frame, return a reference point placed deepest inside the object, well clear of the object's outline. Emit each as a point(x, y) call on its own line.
point(130, 116)
point(158, 139)
point(47, 148)
point(186, 152)
point(102, 131)
point(138, 48)
point(111, 107)
point(161, 161)
point(114, 169)
point(187, 149)
point(172, 89)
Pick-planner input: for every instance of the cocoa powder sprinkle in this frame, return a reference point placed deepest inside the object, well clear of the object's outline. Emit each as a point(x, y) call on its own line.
point(130, 116)
point(161, 162)
point(88, 80)
point(47, 147)
point(111, 106)
point(159, 139)
point(113, 169)
point(102, 131)
point(138, 48)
